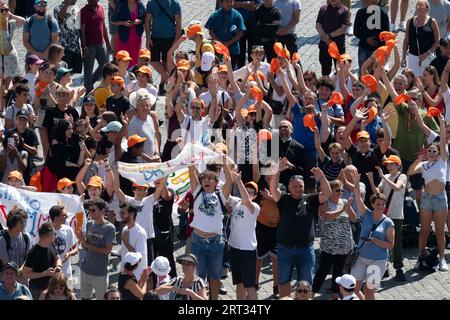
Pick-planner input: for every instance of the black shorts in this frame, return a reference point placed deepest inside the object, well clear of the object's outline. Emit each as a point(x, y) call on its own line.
point(243, 267)
point(160, 48)
point(267, 241)
point(447, 189)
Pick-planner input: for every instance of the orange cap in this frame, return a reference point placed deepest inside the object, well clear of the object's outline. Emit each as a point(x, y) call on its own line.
point(392, 159)
point(135, 185)
point(278, 49)
point(309, 122)
point(222, 49)
point(401, 99)
point(373, 112)
point(64, 182)
point(362, 134)
point(96, 182)
point(134, 139)
point(256, 93)
point(296, 57)
point(144, 53)
point(264, 135)
point(386, 35)
point(253, 185)
point(194, 30)
point(274, 65)
point(333, 51)
point(123, 55)
point(223, 68)
point(251, 109)
point(260, 75)
point(118, 80)
point(335, 98)
point(145, 69)
point(370, 82)
point(433, 112)
point(183, 65)
point(15, 174)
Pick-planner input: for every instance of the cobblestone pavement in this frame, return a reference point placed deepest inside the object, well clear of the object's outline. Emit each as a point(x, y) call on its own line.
point(419, 285)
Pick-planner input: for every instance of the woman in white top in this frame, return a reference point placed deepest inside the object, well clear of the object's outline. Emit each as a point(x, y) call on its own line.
point(433, 207)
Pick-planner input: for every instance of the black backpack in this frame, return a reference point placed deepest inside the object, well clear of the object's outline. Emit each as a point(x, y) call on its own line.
point(4, 234)
point(429, 260)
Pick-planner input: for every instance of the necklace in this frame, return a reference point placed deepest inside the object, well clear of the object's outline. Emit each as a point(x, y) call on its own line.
point(427, 166)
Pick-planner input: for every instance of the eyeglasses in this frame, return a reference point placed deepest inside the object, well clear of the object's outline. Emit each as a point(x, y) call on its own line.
point(5, 10)
point(432, 151)
point(305, 291)
point(41, 4)
point(309, 79)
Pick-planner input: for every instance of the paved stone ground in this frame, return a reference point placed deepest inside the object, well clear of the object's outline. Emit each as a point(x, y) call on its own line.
point(419, 286)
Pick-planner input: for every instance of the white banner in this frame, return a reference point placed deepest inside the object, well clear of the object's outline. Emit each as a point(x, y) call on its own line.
point(145, 173)
point(37, 205)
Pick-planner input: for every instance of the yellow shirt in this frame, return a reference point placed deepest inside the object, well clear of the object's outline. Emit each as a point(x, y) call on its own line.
point(100, 95)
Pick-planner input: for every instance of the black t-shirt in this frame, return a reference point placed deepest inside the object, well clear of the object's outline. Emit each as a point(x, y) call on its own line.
point(29, 137)
point(162, 214)
point(295, 153)
point(296, 226)
point(125, 293)
point(125, 184)
point(40, 259)
point(54, 115)
point(119, 106)
point(439, 63)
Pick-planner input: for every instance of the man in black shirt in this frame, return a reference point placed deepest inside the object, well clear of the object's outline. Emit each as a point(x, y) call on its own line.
point(293, 151)
point(367, 31)
point(42, 261)
point(296, 229)
point(268, 19)
point(441, 60)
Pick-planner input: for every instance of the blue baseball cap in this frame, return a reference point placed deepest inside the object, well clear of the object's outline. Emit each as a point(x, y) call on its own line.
point(113, 126)
point(39, 1)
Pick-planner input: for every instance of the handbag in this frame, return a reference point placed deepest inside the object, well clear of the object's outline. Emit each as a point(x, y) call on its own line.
point(353, 256)
point(425, 63)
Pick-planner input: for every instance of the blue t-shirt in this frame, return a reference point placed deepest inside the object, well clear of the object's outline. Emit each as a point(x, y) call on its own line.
point(226, 25)
point(40, 34)
point(372, 128)
point(370, 250)
point(304, 135)
point(162, 27)
point(335, 110)
point(21, 290)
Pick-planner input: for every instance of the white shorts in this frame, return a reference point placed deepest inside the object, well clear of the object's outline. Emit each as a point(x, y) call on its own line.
point(370, 271)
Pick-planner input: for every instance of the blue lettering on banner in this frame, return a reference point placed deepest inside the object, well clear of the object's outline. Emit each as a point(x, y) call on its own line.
point(153, 174)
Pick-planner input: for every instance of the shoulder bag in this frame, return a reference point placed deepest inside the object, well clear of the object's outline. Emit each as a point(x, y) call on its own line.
point(425, 63)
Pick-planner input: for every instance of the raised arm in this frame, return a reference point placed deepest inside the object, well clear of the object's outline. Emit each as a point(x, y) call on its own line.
point(393, 71)
point(325, 129)
point(358, 101)
point(388, 84)
point(359, 201)
point(325, 190)
point(81, 174)
point(116, 186)
point(341, 78)
point(226, 189)
point(193, 178)
point(318, 145)
point(243, 191)
point(359, 115)
point(267, 114)
point(415, 111)
point(443, 139)
point(291, 99)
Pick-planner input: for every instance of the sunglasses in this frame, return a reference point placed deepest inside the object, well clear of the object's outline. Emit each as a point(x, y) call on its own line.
point(415, 99)
point(305, 291)
point(432, 151)
point(195, 107)
point(309, 79)
point(5, 10)
point(42, 4)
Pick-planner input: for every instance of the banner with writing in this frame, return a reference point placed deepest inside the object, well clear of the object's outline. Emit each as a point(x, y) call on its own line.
point(145, 173)
point(37, 205)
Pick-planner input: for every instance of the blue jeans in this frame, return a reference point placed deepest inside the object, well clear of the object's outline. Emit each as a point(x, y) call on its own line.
point(363, 55)
point(303, 258)
point(99, 53)
point(209, 253)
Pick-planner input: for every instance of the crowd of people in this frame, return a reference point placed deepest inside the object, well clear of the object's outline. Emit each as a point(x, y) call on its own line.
point(302, 155)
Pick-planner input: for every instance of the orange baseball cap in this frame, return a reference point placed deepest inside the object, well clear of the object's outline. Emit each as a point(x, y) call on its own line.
point(64, 182)
point(134, 139)
point(144, 53)
point(146, 70)
point(118, 80)
point(183, 65)
point(96, 182)
point(393, 159)
point(264, 134)
point(194, 30)
point(253, 185)
point(123, 55)
point(135, 185)
point(15, 174)
point(251, 109)
point(223, 68)
point(362, 134)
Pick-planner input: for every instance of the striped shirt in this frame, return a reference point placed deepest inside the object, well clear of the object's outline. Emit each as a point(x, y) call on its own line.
point(144, 129)
point(195, 286)
point(332, 170)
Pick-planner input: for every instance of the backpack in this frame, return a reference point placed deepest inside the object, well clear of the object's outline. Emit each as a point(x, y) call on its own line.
point(429, 260)
point(269, 215)
point(4, 234)
point(49, 23)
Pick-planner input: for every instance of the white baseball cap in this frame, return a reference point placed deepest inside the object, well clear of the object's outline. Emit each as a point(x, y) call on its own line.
point(132, 258)
point(207, 61)
point(160, 266)
point(141, 94)
point(347, 281)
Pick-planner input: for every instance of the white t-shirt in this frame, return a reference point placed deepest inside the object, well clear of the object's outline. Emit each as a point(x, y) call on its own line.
point(242, 225)
point(65, 239)
point(162, 282)
point(138, 240)
point(395, 210)
point(134, 86)
point(240, 74)
point(198, 130)
point(207, 211)
point(206, 97)
point(432, 138)
point(144, 214)
point(281, 98)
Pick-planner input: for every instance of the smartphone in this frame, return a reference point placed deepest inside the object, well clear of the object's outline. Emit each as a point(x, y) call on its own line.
point(12, 142)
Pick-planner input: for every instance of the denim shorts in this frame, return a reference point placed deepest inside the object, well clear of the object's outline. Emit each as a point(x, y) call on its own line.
point(434, 202)
point(303, 258)
point(209, 253)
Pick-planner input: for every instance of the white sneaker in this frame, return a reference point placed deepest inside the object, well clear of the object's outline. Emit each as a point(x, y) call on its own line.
point(350, 31)
point(443, 264)
point(403, 26)
point(392, 27)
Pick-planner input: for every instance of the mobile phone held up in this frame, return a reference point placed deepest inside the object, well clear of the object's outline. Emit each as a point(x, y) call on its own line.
point(11, 142)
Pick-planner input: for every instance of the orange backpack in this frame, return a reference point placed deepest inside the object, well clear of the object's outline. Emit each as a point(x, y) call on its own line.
point(269, 215)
